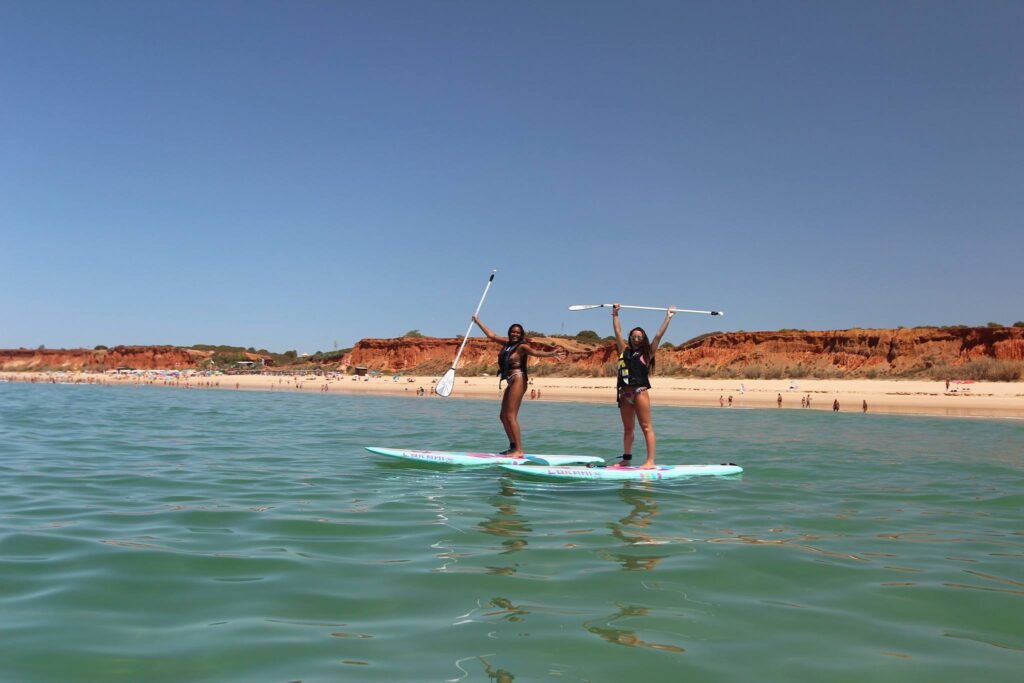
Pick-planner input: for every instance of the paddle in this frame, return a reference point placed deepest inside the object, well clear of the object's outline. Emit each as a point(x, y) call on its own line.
point(446, 383)
point(587, 307)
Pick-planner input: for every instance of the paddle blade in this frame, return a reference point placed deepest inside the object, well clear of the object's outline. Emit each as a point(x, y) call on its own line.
point(584, 307)
point(446, 383)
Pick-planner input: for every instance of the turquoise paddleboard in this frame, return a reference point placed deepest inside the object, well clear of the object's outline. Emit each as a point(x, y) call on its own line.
point(624, 473)
point(480, 459)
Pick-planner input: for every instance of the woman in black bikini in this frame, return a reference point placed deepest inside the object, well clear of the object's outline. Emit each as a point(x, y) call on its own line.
point(636, 363)
point(512, 369)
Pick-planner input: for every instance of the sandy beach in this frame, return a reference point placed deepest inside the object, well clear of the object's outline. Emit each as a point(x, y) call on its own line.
point(911, 397)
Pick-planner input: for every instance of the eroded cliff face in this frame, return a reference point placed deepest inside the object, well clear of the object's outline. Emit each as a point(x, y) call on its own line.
point(135, 357)
point(890, 352)
point(431, 354)
point(409, 352)
point(854, 352)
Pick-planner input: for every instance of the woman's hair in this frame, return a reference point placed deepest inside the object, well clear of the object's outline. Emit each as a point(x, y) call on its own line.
point(522, 331)
point(644, 347)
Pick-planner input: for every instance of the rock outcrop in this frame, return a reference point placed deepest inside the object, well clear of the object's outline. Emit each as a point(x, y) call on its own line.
point(134, 357)
point(836, 353)
point(853, 353)
point(431, 354)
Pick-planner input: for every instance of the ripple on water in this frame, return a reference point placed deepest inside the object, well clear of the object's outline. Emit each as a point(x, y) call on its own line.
point(169, 535)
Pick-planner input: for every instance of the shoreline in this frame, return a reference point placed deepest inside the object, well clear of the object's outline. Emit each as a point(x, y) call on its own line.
point(900, 397)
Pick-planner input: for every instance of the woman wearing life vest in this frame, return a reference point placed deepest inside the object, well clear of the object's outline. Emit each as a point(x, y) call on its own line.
point(512, 369)
point(636, 363)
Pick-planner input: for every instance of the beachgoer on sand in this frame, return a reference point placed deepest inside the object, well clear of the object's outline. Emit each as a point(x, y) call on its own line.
point(636, 363)
point(512, 369)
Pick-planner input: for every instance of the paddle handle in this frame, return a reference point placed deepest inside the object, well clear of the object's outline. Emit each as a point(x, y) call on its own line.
point(470, 328)
point(587, 307)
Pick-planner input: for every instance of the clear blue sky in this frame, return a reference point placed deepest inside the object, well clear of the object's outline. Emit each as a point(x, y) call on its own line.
point(286, 175)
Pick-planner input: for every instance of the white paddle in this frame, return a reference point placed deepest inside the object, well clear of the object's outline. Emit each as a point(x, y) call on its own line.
point(446, 383)
point(587, 307)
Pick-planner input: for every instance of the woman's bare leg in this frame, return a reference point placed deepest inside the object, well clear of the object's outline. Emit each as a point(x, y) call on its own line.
point(642, 405)
point(628, 415)
point(510, 403)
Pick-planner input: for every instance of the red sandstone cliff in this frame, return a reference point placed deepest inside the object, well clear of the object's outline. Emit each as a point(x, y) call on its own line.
point(854, 353)
point(135, 357)
point(430, 354)
point(838, 353)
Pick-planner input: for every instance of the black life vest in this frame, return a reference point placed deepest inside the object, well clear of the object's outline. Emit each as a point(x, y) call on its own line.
point(505, 361)
point(633, 369)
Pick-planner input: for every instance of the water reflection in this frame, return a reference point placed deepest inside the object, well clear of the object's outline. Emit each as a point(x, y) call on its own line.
point(627, 637)
point(493, 674)
point(508, 610)
point(632, 529)
point(506, 523)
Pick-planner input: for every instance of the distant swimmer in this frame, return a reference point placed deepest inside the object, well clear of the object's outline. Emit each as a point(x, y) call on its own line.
point(636, 363)
point(512, 369)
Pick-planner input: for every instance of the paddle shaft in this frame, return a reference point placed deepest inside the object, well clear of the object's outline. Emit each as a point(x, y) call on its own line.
point(587, 307)
point(470, 328)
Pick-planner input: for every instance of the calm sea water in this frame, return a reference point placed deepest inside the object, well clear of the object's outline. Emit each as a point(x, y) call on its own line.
point(154, 534)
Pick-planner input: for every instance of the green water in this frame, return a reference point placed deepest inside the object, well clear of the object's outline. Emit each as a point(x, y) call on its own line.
point(154, 534)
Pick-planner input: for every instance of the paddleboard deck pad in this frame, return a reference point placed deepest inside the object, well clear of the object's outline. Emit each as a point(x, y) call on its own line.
point(571, 473)
point(480, 459)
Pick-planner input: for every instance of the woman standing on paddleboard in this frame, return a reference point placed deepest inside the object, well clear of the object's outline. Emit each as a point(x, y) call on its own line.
point(512, 369)
point(636, 363)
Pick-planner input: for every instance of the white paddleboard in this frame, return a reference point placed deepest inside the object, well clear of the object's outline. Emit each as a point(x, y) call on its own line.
point(480, 459)
point(624, 473)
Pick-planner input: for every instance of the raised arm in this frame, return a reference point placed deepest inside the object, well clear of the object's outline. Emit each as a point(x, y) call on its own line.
point(487, 332)
point(664, 326)
point(619, 341)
